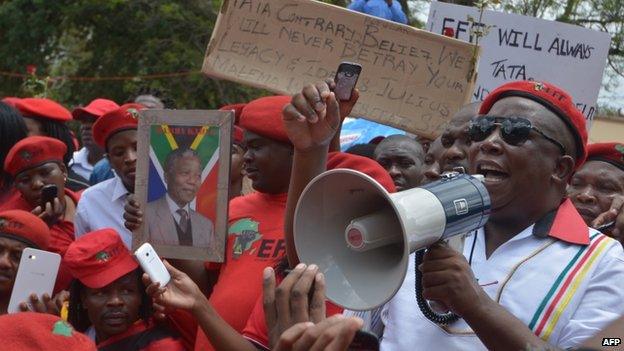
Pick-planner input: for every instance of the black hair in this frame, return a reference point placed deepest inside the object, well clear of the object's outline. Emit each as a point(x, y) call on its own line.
point(176, 154)
point(161, 95)
point(60, 131)
point(365, 150)
point(12, 129)
point(77, 315)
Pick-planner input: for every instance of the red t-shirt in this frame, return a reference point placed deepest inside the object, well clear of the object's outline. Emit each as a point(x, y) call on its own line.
point(142, 336)
point(255, 241)
point(257, 331)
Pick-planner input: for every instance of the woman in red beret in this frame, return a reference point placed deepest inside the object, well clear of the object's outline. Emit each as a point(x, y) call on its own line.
point(35, 162)
point(45, 117)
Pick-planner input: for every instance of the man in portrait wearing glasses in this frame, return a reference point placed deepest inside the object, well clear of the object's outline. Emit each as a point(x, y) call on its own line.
point(535, 275)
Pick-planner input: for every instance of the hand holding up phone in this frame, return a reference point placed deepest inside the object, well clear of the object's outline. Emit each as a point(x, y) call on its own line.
point(181, 292)
point(50, 209)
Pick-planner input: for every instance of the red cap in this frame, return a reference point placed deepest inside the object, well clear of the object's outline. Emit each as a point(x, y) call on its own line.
point(363, 164)
point(99, 258)
point(124, 118)
point(97, 108)
point(612, 153)
point(31, 331)
point(32, 152)
point(237, 108)
point(25, 227)
point(552, 97)
point(264, 117)
point(11, 100)
point(43, 108)
point(238, 134)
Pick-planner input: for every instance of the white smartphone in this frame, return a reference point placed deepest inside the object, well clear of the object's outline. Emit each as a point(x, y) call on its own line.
point(36, 275)
point(152, 265)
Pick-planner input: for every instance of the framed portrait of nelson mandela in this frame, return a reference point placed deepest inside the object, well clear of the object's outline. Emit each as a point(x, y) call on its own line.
point(182, 182)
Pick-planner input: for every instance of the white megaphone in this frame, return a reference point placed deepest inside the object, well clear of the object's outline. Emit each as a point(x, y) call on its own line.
point(361, 236)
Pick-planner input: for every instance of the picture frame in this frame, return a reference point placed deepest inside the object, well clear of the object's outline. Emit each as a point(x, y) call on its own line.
point(182, 182)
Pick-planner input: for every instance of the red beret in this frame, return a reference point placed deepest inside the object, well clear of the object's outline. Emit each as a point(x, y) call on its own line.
point(31, 331)
point(25, 227)
point(264, 117)
point(238, 134)
point(32, 152)
point(43, 108)
point(362, 164)
point(237, 108)
point(97, 108)
point(552, 97)
point(115, 121)
point(612, 153)
point(10, 100)
point(99, 258)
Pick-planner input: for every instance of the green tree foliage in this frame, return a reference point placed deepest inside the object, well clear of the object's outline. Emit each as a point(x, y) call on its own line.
point(114, 38)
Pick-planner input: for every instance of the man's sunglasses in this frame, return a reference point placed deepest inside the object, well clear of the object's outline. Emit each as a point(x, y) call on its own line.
point(514, 130)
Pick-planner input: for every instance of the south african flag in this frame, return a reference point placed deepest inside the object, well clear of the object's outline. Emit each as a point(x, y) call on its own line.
point(205, 141)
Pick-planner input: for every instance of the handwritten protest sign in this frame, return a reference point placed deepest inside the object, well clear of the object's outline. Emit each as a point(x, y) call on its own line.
point(520, 47)
point(411, 79)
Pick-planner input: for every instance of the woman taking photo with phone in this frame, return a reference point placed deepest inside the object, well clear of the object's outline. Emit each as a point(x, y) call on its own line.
point(36, 166)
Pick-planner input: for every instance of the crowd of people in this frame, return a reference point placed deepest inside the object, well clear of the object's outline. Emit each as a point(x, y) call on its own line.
point(547, 269)
point(546, 272)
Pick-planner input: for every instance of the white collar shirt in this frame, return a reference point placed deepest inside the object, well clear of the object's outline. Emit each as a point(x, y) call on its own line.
point(173, 207)
point(80, 163)
point(564, 292)
point(102, 206)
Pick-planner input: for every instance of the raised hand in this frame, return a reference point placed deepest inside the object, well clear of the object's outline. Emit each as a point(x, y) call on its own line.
point(314, 115)
point(46, 304)
point(299, 298)
point(51, 213)
point(181, 292)
point(615, 214)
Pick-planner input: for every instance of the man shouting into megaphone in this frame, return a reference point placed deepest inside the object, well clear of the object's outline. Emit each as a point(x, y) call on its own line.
point(535, 275)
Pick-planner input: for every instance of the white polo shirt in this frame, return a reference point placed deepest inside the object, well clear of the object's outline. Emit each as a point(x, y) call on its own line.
point(564, 290)
point(102, 206)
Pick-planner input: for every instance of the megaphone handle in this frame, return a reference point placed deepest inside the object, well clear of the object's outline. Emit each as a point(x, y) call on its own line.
point(443, 319)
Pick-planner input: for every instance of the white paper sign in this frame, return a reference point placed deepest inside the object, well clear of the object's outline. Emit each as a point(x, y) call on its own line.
point(520, 48)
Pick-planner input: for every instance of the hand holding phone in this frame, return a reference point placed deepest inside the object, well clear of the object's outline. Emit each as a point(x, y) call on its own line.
point(346, 78)
point(36, 275)
point(152, 265)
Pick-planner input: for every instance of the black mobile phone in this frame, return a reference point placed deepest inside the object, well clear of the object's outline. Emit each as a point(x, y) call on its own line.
point(48, 193)
point(364, 341)
point(606, 226)
point(346, 77)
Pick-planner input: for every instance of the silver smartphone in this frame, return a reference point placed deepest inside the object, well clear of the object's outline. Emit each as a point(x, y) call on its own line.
point(346, 78)
point(36, 275)
point(152, 265)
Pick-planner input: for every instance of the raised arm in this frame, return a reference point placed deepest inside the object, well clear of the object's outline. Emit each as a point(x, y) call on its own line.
point(312, 120)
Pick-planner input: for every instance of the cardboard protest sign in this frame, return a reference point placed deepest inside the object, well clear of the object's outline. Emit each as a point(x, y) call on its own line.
point(411, 79)
point(520, 47)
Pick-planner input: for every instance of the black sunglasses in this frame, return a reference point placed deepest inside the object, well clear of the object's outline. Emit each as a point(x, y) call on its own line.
point(514, 130)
